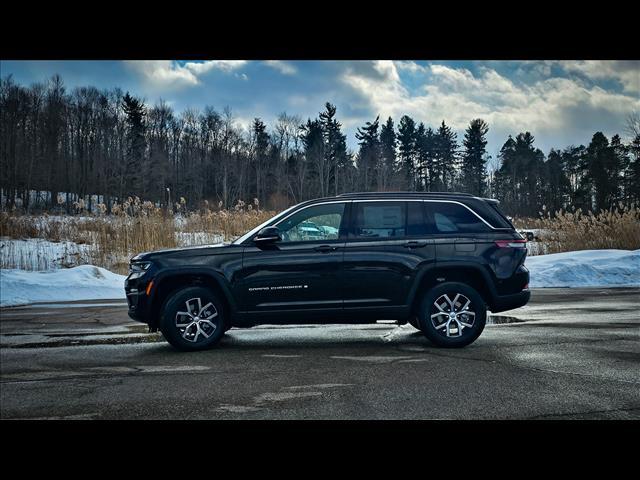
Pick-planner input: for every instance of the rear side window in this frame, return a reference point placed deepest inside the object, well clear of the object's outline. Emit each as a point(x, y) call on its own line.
point(379, 219)
point(453, 218)
point(501, 214)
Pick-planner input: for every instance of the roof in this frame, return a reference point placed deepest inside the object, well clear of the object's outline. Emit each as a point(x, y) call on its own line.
point(408, 194)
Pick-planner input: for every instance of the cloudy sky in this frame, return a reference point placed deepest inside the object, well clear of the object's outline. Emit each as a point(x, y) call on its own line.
point(559, 102)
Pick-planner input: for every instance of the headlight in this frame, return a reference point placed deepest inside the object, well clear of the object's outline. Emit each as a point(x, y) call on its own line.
point(138, 268)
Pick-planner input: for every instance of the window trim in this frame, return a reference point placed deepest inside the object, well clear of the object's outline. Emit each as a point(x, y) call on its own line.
point(347, 203)
point(468, 208)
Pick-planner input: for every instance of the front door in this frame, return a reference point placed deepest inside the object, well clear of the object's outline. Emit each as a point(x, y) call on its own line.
point(301, 274)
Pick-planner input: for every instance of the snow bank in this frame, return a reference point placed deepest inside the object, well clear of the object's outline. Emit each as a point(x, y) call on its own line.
point(86, 282)
point(40, 254)
point(585, 268)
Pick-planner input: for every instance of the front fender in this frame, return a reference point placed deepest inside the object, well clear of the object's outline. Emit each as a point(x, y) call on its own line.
point(206, 274)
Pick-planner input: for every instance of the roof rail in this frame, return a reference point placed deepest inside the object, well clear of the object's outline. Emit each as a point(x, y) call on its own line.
point(363, 194)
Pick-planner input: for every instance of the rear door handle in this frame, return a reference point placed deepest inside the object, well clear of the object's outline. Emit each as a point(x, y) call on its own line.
point(415, 244)
point(325, 248)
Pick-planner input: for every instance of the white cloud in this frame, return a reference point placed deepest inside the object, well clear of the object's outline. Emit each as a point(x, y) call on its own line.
point(627, 72)
point(549, 106)
point(163, 74)
point(284, 68)
point(411, 66)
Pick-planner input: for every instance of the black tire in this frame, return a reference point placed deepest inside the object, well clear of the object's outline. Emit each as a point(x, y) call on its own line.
point(194, 336)
point(445, 330)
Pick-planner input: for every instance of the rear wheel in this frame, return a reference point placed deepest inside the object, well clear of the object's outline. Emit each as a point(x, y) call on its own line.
point(452, 314)
point(192, 319)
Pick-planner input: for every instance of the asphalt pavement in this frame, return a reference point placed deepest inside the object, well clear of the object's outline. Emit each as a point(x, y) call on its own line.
point(569, 354)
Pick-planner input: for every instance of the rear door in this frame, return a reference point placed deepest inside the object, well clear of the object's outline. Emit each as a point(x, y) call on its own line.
point(386, 244)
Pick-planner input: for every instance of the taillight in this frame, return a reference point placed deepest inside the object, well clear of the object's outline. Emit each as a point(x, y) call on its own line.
point(511, 243)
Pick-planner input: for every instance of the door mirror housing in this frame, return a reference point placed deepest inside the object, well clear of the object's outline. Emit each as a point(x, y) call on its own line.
point(267, 236)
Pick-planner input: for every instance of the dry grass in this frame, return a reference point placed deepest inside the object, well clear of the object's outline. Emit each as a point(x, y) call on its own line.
point(617, 228)
point(134, 227)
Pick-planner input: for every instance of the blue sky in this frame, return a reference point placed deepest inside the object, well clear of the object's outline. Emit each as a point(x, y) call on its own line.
point(559, 102)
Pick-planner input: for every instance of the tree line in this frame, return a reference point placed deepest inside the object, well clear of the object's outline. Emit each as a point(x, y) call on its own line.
point(89, 141)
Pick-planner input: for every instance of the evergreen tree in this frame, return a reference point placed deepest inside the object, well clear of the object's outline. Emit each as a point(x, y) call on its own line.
point(135, 112)
point(633, 170)
point(575, 168)
point(313, 143)
point(335, 149)
point(387, 162)
point(474, 170)
point(619, 166)
point(446, 159)
point(407, 149)
point(603, 171)
point(260, 157)
point(368, 155)
point(505, 181)
point(420, 158)
point(556, 184)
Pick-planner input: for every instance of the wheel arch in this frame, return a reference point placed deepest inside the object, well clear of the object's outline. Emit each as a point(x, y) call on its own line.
point(167, 283)
point(473, 275)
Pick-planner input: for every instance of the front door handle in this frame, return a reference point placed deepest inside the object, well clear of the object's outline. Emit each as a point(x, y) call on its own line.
point(325, 248)
point(415, 244)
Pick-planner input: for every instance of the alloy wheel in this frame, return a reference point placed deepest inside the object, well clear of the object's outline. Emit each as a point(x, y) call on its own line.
point(195, 323)
point(451, 313)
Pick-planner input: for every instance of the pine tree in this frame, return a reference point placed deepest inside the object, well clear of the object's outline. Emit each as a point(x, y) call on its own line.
point(505, 181)
point(260, 157)
point(313, 143)
point(603, 171)
point(530, 161)
point(135, 112)
point(369, 154)
point(335, 148)
point(446, 159)
point(474, 170)
point(387, 162)
point(407, 148)
point(618, 167)
point(633, 169)
point(555, 183)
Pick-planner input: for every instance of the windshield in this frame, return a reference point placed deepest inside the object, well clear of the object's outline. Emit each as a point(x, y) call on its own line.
point(251, 233)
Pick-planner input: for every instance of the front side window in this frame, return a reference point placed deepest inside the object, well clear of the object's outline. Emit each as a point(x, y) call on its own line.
point(313, 224)
point(454, 218)
point(379, 219)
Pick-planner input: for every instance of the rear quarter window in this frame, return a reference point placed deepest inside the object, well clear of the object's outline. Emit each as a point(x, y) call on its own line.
point(454, 218)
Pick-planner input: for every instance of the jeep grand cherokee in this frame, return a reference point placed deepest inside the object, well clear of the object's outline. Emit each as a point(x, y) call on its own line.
point(436, 260)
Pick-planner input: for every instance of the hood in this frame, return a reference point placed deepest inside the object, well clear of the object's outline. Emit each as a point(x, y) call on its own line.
point(216, 248)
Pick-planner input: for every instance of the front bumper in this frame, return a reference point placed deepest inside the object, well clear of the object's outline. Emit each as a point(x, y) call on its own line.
point(137, 300)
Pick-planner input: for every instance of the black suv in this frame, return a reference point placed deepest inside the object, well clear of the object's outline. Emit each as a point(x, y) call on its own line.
point(436, 260)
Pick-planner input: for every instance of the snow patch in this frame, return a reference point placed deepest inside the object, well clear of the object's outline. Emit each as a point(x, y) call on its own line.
point(86, 282)
point(585, 268)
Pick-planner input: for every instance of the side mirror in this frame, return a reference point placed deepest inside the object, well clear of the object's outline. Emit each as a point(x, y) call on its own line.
point(267, 236)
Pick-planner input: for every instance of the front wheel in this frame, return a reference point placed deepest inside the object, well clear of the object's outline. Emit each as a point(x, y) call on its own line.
point(192, 319)
point(452, 314)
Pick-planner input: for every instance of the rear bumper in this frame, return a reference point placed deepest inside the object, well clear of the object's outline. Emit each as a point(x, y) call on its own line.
point(509, 302)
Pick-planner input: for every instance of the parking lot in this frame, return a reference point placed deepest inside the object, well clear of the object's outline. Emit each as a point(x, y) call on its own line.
point(569, 354)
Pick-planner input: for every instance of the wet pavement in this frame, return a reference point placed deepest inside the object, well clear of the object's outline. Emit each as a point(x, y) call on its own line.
point(570, 353)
